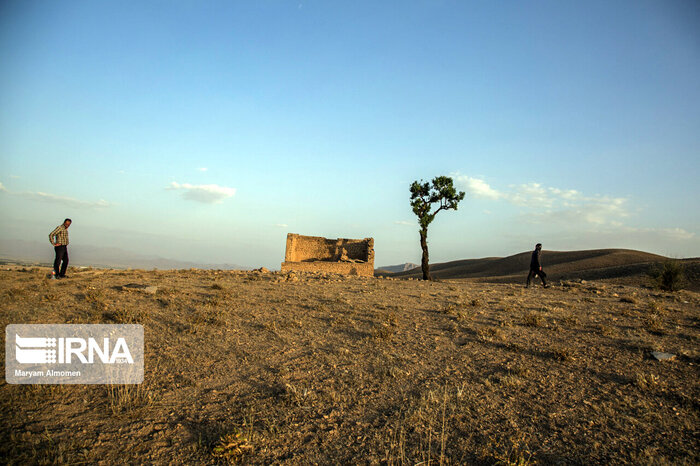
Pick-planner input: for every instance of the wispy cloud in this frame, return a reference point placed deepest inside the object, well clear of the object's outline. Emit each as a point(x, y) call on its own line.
point(205, 193)
point(404, 222)
point(573, 213)
point(667, 233)
point(56, 199)
point(202, 169)
point(678, 233)
point(64, 200)
point(543, 203)
point(281, 225)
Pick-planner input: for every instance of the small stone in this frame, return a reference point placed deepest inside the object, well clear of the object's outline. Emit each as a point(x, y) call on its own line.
point(150, 289)
point(661, 356)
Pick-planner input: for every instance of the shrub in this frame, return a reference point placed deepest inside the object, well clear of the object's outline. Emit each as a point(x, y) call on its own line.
point(671, 275)
point(233, 447)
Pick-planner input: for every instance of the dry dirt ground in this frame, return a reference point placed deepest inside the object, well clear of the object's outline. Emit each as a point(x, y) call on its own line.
point(270, 368)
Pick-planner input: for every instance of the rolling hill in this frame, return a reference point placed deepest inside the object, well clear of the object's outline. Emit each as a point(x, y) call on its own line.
point(623, 265)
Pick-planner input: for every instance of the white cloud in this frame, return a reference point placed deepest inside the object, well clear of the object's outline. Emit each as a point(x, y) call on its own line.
point(3, 188)
point(597, 210)
point(577, 217)
point(404, 222)
point(202, 169)
point(541, 203)
point(14, 177)
point(281, 225)
point(478, 188)
point(530, 195)
point(205, 193)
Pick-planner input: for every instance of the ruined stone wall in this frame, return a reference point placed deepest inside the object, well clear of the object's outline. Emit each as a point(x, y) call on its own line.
point(318, 254)
point(344, 268)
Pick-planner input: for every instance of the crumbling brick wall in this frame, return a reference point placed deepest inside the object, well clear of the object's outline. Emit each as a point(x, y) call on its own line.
point(318, 254)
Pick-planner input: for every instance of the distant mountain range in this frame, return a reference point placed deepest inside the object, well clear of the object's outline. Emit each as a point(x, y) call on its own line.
point(623, 265)
point(84, 255)
point(396, 268)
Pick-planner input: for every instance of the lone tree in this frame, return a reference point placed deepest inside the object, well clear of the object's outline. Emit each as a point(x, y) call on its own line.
point(423, 196)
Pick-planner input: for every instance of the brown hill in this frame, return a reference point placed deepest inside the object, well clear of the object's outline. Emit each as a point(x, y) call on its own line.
point(624, 265)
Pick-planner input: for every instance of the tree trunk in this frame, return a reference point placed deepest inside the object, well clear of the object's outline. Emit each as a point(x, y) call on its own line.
point(425, 265)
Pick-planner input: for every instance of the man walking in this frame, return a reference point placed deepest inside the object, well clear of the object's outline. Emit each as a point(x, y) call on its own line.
point(536, 267)
point(59, 239)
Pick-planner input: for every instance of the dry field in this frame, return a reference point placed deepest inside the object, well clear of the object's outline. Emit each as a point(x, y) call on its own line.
point(270, 368)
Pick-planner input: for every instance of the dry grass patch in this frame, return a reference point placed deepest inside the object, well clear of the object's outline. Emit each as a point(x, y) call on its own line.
point(606, 330)
point(128, 398)
point(233, 447)
point(654, 324)
point(51, 296)
point(15, 293)
point(96, 298)
point(645, 381)
point(123, 314)
point(569, 320)
point(563, 354)
point(655, 307)
point(383, 332)
point(533, 320)
point(489, 334)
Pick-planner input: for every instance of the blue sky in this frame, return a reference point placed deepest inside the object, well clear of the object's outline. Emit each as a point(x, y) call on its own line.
point(206, 131)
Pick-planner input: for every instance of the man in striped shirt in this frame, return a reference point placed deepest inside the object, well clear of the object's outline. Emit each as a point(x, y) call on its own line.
point(59, 239)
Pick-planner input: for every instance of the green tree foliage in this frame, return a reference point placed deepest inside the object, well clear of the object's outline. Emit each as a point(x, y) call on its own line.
point(438, 195)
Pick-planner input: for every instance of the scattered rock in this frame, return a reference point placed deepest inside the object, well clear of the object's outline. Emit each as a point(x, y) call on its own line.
point(138, 286)
point(661, 356)
point(261, 270)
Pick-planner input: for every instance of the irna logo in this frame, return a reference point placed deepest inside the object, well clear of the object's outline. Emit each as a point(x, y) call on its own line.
point(74, 353)
point(33, 350)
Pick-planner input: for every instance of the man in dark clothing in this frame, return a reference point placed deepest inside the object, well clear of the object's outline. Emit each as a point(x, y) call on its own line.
point(536, 267)
point(59, 238)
